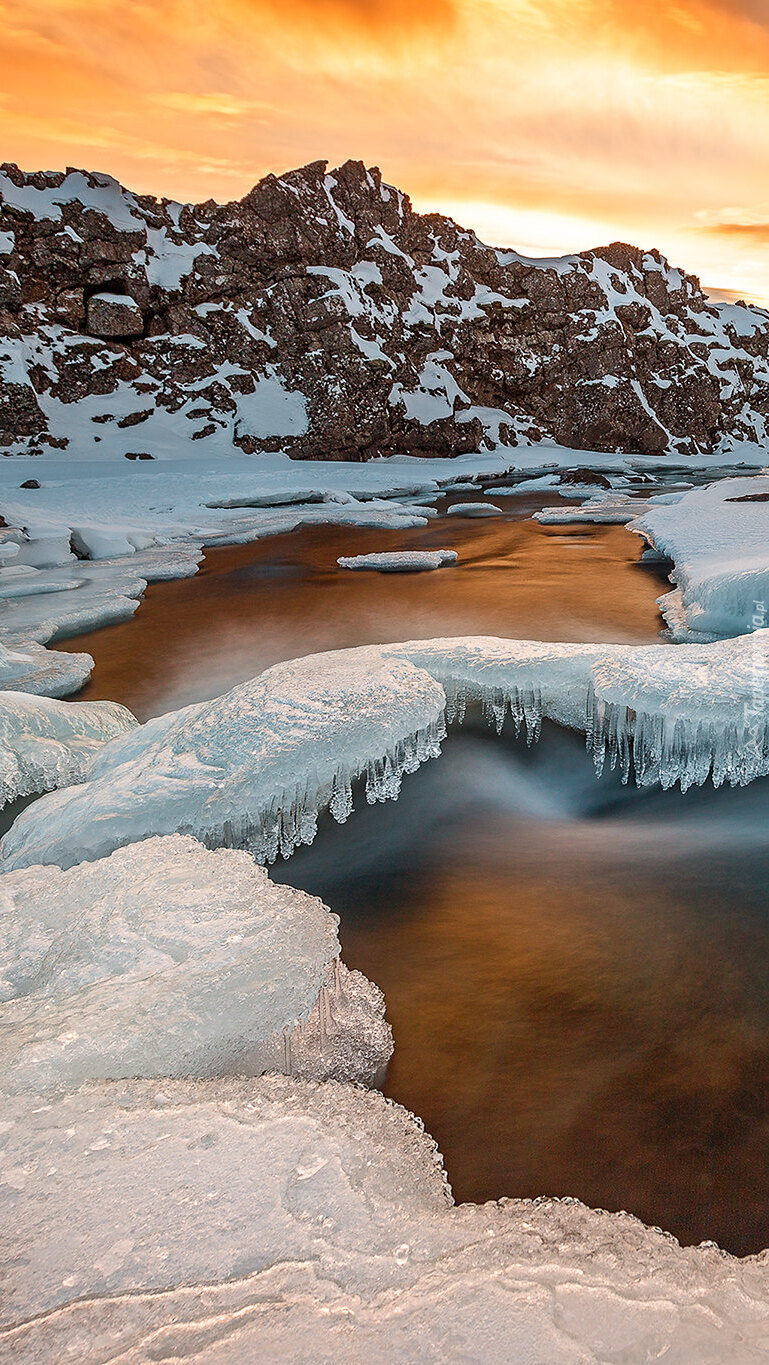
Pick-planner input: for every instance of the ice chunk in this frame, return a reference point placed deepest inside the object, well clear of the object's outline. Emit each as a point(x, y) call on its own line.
point(608, 509)
point(239, 1220)
point(400, 561)
point(46, 744)
point(169, 959)
point(718, 538)
point(473, 509)
point(253, 768)
point(52, 673)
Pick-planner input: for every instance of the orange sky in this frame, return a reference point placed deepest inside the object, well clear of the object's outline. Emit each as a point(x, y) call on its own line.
point(548, 125)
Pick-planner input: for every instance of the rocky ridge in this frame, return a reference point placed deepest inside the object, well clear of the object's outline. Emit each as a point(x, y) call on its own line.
point(322, 316)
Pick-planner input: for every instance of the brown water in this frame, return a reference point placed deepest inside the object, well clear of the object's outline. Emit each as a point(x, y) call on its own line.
point(577, 976)
point(580, 1003)
point(253, 605)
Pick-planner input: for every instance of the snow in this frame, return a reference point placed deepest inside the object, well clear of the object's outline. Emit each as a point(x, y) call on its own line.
point(99, 192)
point(272, 410)
point(165, 262)
point(167, 959)
point(720, 548)
point(436, 396)
point(473, 509)
point(46, 743)
point(255, 767)
point(277, 1220)
point(400, 561)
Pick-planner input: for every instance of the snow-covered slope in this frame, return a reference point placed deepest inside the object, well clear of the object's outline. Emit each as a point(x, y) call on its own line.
point(321, 315)
point(271, 1220)
point(253, 768)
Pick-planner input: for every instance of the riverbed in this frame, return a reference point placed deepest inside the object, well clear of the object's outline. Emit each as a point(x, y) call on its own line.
point(576, 973)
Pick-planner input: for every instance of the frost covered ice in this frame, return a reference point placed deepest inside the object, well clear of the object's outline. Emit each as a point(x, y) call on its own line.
point(608, 509)
point(52, 673)
point(168, 959)
point(718, 538)
point(254, 768)
point(237, 1220)
point(473, 509)
point(46, 743)
point(400, 561)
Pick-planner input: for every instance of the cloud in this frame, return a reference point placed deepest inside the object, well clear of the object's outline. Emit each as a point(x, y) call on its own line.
point(560, 120)
point(756, 234)
point(366, 16)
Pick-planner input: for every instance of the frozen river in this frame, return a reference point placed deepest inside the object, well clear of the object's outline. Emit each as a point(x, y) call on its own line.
point(577, 977)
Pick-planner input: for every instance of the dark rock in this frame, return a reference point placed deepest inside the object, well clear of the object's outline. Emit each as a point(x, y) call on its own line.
point(114, 315)
point(30, 483)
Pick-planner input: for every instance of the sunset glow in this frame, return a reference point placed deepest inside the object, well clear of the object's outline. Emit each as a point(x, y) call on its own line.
point(548, 125)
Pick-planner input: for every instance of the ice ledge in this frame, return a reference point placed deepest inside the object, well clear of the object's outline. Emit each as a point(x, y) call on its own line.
point(313, 1222)
point(254, 768)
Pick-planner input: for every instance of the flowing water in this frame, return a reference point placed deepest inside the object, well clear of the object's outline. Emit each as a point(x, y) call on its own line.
point(577, 974)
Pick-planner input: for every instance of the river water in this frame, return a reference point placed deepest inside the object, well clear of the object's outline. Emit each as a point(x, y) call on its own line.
point(577, 974)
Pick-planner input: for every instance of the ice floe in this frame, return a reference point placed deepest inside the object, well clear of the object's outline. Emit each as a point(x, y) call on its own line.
point(254, 768)
point(46, 743)
point(607, 509)
point(473, 509)
point(718, 538)
point(34, 669)
point(400, 561)
point(167, 959)
point(236, 1220)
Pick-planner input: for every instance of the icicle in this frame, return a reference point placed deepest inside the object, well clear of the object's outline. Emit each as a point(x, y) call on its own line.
point(287, 1050)
point(341, 798)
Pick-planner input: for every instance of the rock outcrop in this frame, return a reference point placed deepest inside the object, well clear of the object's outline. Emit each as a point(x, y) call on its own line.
point(321, 316)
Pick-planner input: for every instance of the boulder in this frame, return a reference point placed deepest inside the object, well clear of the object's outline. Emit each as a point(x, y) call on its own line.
point(114, 315)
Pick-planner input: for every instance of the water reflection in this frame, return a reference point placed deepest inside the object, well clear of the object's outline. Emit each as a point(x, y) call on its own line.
point(578, 980)
point(251, 606)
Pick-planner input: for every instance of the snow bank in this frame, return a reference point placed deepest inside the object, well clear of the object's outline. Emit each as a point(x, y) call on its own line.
point(167, 959)
point(253, 768)
point(46, 743)
point(400, 561)
point(238, 1220)
point(718, 538)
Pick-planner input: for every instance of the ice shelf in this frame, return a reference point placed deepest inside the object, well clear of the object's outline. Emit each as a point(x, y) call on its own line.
point(718, 540)
point(239, 1220)
point(254, 768)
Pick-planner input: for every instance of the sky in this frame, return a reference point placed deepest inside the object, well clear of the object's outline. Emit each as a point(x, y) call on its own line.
point(546, 125)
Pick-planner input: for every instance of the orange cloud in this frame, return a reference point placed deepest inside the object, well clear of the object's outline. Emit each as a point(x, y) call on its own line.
point(550, 122)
